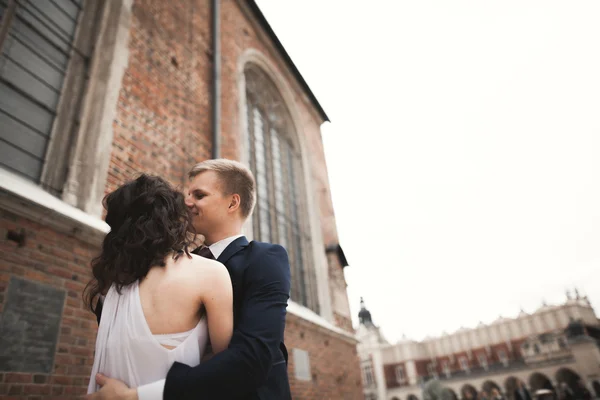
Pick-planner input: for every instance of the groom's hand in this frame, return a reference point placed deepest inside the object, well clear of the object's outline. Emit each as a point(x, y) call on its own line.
point(112, 389)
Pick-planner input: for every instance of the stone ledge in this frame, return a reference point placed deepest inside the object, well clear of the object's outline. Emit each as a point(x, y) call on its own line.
point(28, 200)
point(310, 316)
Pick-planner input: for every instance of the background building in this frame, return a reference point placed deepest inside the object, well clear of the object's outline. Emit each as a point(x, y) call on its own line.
point(554, 345)
point(93, 92)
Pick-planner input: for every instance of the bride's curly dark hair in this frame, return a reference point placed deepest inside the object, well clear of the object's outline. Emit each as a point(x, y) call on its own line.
point(148, 220)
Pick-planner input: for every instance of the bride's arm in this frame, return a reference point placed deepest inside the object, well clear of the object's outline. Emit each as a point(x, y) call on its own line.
point(217, 298)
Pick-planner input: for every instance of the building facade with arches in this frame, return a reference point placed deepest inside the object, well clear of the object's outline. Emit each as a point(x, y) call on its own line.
point(556, 348)
point(94, 92)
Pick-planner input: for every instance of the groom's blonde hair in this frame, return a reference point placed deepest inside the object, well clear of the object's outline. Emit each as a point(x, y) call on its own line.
point(235, 178)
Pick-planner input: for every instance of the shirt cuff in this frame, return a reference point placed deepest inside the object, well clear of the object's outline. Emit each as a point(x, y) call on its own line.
point(152, 391)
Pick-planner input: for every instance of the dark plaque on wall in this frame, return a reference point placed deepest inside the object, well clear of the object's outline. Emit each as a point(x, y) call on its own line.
point(29, 326)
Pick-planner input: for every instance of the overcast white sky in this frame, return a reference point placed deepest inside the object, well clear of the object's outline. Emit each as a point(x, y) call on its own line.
point(463, 153)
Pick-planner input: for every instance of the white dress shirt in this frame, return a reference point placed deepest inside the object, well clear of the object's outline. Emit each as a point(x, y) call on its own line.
point(155, 390)
point(218, 248)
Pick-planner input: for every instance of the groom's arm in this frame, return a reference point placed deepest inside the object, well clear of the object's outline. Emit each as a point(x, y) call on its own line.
point(245, 365)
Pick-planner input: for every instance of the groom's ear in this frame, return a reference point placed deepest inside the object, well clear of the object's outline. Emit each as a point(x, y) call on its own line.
point(234, 202)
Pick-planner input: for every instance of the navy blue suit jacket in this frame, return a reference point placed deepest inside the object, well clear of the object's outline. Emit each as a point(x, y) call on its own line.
point(255, 364)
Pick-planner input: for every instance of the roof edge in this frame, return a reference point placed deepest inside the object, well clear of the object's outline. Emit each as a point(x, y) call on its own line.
point(286, 57)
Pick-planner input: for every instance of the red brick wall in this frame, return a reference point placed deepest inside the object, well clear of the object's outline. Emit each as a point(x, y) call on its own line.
point(333, 363)
point(163, 116)
point(60, 261)
point(162, 126)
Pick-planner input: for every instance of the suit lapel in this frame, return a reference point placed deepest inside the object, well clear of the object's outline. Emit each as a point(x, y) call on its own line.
point(235, 246)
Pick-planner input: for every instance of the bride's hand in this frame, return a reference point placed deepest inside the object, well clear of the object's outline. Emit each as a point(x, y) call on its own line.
point(112, 389)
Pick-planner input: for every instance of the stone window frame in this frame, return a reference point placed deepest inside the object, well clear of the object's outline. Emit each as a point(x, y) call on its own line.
point(316, 251)
point(483, 361)
point(81, 140)
point(368, 374)
point(503, 357)
point(431, 370)
point(562, 343)
point(446, 368)
point(400, 374)
point(464, 364)
point(88, 166)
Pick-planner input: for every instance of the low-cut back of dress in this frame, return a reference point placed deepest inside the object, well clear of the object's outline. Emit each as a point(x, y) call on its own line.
point(127, 350)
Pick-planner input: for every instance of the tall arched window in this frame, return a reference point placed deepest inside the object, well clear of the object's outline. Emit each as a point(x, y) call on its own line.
point(274, 155)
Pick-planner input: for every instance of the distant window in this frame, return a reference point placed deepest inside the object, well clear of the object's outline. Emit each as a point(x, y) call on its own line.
point(483, 361)
point(368, 377)
point(545, 338)
point(536, 349)
point(502, 357)
point(431, 371)
point(464, 364)
point(446, 368)
point(400, 376)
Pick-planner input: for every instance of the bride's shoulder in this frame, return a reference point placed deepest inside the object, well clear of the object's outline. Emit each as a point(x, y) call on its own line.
point(205, 269)
point(203, 262)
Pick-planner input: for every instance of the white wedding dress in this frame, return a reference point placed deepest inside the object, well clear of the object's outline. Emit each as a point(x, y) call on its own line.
point(127, 350)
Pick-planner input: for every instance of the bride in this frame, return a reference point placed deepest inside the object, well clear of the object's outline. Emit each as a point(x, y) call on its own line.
point(161, 303)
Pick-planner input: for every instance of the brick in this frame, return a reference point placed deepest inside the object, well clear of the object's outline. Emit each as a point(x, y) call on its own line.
point(36, 390)
point(61, 380)
point(57, 390)
point(11, 377)
point(11, 390)
point(74, 390)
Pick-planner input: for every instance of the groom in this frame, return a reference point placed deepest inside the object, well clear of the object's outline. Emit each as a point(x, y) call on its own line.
point(221, 197)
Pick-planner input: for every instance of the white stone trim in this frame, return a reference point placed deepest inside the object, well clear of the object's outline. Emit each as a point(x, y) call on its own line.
point(26, 199)
point(312, 317)
point(319, 257)
point(86, 180)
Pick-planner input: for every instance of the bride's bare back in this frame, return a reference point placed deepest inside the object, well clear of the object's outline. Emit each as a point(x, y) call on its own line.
point(173, 296)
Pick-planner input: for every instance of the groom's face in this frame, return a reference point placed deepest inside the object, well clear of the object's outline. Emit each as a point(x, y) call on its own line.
point(206, 201)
